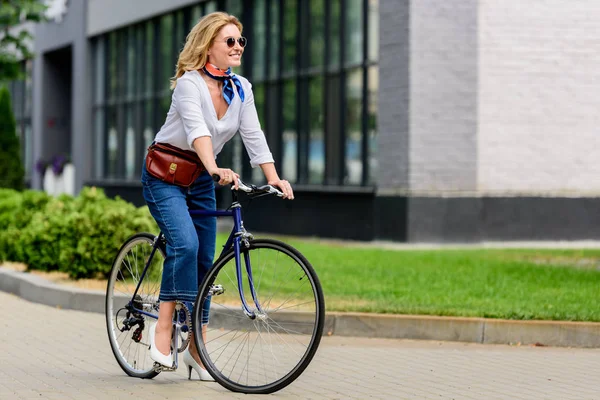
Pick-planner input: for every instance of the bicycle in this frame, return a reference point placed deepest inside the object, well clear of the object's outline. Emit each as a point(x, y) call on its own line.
point(263, 331)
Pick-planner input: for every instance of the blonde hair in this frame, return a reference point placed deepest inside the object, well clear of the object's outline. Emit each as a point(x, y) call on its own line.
point(202, 36)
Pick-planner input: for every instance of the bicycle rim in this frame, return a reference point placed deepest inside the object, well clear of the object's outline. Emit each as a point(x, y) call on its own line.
point(130, 343)
point(264, 354)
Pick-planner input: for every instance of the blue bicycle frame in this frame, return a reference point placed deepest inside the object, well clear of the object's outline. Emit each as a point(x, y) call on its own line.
point(237, 237)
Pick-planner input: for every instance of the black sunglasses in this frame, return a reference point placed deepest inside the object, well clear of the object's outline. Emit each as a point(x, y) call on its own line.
point(242, 41)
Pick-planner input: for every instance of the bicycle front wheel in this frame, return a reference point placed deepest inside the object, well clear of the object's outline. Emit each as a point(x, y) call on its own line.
point(266, 353)
point(127, 328)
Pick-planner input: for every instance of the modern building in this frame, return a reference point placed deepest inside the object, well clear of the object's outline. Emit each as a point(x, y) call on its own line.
point(406, 120)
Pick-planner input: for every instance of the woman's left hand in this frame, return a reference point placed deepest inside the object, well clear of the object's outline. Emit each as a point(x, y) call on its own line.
point(285, 187)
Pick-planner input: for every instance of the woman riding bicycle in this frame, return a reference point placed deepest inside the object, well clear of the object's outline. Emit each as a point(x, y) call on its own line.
point(209, 105)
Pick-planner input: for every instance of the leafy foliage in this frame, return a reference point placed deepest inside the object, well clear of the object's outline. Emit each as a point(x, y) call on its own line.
point(15, 39)
point(11, 168)
point(77, 235)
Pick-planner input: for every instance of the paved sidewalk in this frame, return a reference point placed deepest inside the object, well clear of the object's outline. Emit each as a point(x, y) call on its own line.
point(49, 353)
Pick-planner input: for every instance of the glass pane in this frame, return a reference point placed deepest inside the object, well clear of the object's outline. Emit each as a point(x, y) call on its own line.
point(99, 71)
point(148, 124)
point(179, 34)
point(28, 148)
point(164, 105)
point(316, 151)
point(237, 154)
point(289, 35)
point(317, 32)
point(149, 68)
point(129, 144)
point(373, 30)
point(139, 52)
point(166, 52)
point(112, 65)
point(131, 62)
point(354, 32)
point(334, 35)
point(16, 98)
point(290, 135)
point(235, 8)
point(354, 87)
point(259, 44)
point(274, 35)
point(196, 14)
point(259, 101)
point(257, 176)
point(333, 136)
point(113, 144)
point(20, 133)
point(99, 143)
point(372, 124)
point(211, 6)
point(28, 87)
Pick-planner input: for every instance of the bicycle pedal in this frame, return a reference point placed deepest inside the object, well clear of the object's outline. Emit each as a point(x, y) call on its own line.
point(161, 368)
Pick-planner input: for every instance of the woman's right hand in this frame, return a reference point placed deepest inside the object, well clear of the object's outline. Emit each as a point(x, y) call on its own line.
point(227, 176)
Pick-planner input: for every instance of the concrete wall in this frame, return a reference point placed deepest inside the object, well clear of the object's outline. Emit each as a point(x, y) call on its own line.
point(539, 96)
point(51, 36)
point(107, 15)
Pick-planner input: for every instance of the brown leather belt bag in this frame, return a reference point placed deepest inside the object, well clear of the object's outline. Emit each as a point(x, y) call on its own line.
point(173, 165)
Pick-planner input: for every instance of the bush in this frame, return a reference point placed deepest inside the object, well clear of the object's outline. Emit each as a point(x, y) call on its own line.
point(79, 236)
point(12, 173)
point(16, 212)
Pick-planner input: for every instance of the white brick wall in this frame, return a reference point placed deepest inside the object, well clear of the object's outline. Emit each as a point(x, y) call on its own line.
point(539, 97)
point(443, 95)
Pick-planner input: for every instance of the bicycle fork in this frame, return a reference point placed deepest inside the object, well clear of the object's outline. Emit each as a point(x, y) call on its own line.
point(242, 238)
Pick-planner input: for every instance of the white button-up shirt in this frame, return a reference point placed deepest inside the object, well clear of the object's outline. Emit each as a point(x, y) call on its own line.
point(192, 115)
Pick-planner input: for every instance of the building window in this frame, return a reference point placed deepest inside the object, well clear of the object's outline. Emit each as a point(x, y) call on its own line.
point(313, 66)
point(20, 94)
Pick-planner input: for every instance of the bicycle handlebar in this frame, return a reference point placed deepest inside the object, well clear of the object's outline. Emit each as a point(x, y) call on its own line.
point(253, 189)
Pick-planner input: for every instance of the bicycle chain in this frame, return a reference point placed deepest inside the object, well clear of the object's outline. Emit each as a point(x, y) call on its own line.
point(181, 307)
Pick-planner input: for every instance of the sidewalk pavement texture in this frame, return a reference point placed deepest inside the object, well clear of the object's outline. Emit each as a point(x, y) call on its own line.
point(477, 330)
point(49, 353)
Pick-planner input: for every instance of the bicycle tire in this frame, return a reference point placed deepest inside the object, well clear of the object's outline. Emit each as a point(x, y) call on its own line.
point(298, 331)
point(123, 278)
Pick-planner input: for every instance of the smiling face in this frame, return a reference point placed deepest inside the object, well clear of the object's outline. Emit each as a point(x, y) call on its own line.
point(223, 56)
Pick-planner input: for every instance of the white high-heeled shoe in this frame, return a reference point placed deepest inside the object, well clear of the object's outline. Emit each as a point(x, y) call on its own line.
point(190, 363)
point(155, 354)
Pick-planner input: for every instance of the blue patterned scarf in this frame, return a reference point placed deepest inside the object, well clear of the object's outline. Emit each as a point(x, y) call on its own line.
point(227, 78)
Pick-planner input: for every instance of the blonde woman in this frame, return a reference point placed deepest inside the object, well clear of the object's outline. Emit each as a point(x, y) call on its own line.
point(209, 106)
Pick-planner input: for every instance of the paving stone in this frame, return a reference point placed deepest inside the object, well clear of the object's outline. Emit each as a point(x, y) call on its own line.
point(64, 354)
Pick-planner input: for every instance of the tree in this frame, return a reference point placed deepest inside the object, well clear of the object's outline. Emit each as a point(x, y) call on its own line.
point(11, 168)
point(15, 40)
point(15, 37)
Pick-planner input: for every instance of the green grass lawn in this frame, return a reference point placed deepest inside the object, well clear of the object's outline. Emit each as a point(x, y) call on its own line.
point(496, 283)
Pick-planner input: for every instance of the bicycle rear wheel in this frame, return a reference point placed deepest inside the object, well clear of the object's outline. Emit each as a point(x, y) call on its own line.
point(265, 354)
point(127, 330)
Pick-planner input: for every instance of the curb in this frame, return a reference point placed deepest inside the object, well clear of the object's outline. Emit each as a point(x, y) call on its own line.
point(476, 330)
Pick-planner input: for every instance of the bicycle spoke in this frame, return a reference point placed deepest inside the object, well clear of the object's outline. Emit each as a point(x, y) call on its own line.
point(264, 353)
point(131, 260)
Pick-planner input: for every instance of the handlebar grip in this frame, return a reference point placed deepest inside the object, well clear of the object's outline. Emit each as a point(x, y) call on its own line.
point(216, 177)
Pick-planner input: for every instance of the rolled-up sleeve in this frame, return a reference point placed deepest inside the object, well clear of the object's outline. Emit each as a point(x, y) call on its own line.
point(187, 97)
point(251, 132)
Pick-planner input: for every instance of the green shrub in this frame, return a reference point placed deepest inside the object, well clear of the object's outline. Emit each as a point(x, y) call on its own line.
point(11, 169)
point(79, 236)
point(16, 212)
point(99, 227)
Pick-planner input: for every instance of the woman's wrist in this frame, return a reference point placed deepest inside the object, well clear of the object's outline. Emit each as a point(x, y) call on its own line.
point(270, 172)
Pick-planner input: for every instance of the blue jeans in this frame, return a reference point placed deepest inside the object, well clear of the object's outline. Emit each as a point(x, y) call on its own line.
point(190, 241)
